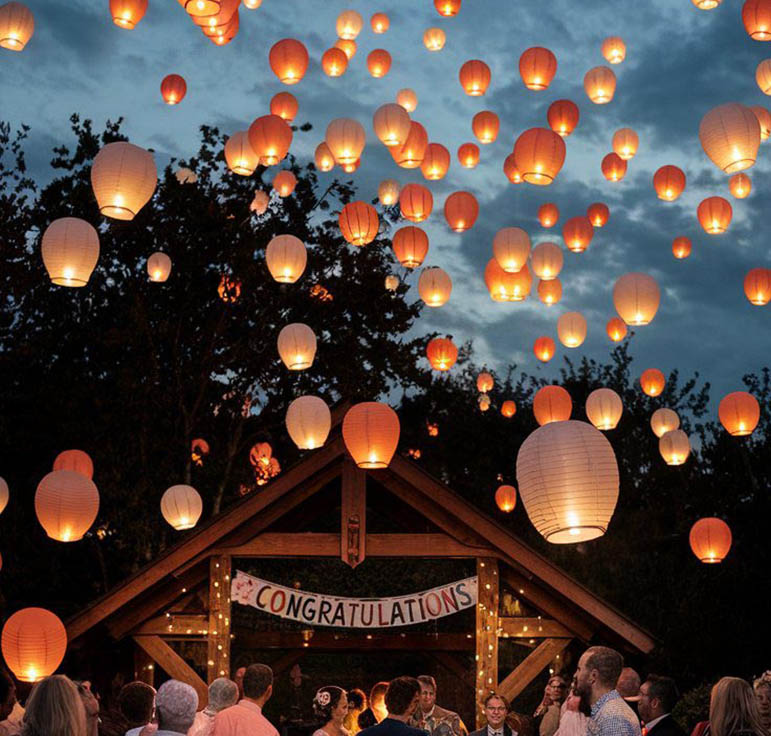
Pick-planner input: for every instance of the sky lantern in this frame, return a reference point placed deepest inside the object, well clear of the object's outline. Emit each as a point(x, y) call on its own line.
point(66, 504)
point(613, 49)
point(604, 408)
point(334, 62)
point(468, 155)
point(513, 174)
point(411, 153)
point(371, 433)
point(285, 105)
point(75, 460)
point(434, 286)
point(539, 154)
point(485, 126)
point(550, 292)
point(616, 329)
point(410, 246)
point(391, 123)
point(598, 214)
point(625, 143)
point(252, 4)
point(239, 154)
point(578, 233)
point(763, 76)
point(710, 540)
point(284, 182)
point(359, 223)
point(199, 448)
point(347, 46)
point(416, 202)
point(379, 22)
point(442, 353)
point(378, 63)
point(613, 167)
point(270, 137)
point(572, 500)
point(407, 99)
point(201, 8)
point(715, 214)
point(436, 162)
point(511, 248)
point(483, 402)
point(125, 13)
point(636, 297)
point(229, 289)
point(323, 157)
point(288, 59)
point(675, 447)
point(392, 282)
point(739, 413)
point(503, 286)
point(474, 77)
point(562, 117)
point(434, 39)
point(224, 34)
point(388, 192)
point(123, 177)
point(757, 286)
point(663, 421)
point(730, 136)
point(552, 404)
point(181, 506)
point(546, 260)
point(681, 247)
point(600, 85)
point(461, 210)
point(571, 329)
point(756, 16)
point(548, 214)
point(506, 498)
point(544, 348)
point(740, 185)
point(485, 382)
point(308, 421)
point(159, 267)
point(260, 202)
point(297, 346)
point(669, 182)
point(346, 139)
point(70, 251)
point(652, 381)
point(508, 408)
point(34, 642)
point(764, 120)
point(537, 67)
point(349, 24)
point(173, 89)
point(286, 258)
point(349, 168)
point(447, 8)
point(706, 4)
point(518, 284)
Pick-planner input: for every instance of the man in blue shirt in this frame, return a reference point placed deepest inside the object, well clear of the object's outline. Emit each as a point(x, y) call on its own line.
point(401, 700)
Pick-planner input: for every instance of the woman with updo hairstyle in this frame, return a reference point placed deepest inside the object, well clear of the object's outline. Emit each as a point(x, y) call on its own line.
point(357, 704)
point(330, 706)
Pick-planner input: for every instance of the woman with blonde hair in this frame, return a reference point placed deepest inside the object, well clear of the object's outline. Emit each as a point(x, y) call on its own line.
point(733, 709)
point(54, 708)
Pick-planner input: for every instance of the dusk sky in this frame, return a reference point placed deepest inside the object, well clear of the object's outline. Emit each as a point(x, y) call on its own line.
point(680, 63)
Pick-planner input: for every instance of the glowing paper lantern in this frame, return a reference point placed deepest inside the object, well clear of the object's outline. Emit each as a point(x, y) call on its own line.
point(379, 63)
point(308, 421)
point(757, 286)
point(407, 99)
point(507, 287)
point(730, 136)
point(546, 260)
point(614, 49)
point(600, 85)
point(288, 59)
point(349, 24)
point(710, 539)
point(485, 382)
point(571, 329)
point(550, 292)
point(201, 8)
point(359, 223)
point(347, 46)
point(513, 174)
point(346, 139)
point(34, 642)
point(76, 461)
point(764, 120)
point(739, 413)
point(436, 162)
point(474, 77)
point(123, 177)
point(185, 176)
point(669, 183)
point(388, 192)
point(371, 434)
point(447, 8)
point(539, 154)
point(663, 421)
point(763, 76)
point(270, 137)
point(334, 62)
point(461, 210)
point(229, 289)
point(66, 504)
point(380, 23)
point(511, 248)
point(552, 404)
point(297, 346)
point(485, 126)
point(434, 39)
point(392, 282)
point(568, 481)
point(484, 402)
point(159, 267)
point(260, 202)
point(416, 202)
point(613, 167)
point(625, 143)
point(284, 182)
point(410, 155)
point(636, 297)
point(323, 157)
point(286, 258)
point(434, 286)
point(285, 105)
point(674, 447)
point(442, 353)
point(598, 214)
point(70, 250)
point(126, 13)
point(173, 89)
point(544, 348)
point(562, 117)
point(181, 506)
point(468, 155)
point(756, 16)
point(604, 408)
point(578, 233)
point(652, 381)
point(740, 185)
point(706, 4)
point(715, 214)
point(239, 155)
point(3, 495)
point(410, 246)
point(548, 214)
point(252, 4)
point(616, 329)
point(537, 67)
point(506, 498)
point(391, 123)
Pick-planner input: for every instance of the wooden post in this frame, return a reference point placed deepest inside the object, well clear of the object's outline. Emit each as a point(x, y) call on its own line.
point(353, 516)
point(144, 666)
point(218, 635)
point(486, 633)
point(173, 665)
point(531, 667)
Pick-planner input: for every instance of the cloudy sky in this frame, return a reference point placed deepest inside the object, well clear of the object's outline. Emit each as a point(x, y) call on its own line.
point(680, 63)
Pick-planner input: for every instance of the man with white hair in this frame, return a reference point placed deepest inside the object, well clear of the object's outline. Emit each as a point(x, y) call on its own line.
point(175, 706)
point(222, 694)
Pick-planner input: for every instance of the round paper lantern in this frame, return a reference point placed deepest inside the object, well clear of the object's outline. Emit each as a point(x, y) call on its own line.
point(347, 46)
point(636, 297)
point(550, 292)
point(173, 89)
point(229, 289)
point(270, 137)
point(539, 154)
point(669, 183)
point(600, 85)
point(537, 67)
point(571, 329)
point(710, 539)
point(625, 143)
point(411, 153)
point(123, 177)
point(70, 250)
point(756, 15)
point(474, 77)
point(288, 59)
point(604, 408)
point(308, 421)
point(4, 494)
point(201, 8)
point(485, 126)
point(552, 404)
point(613, 167)
point(410, 246)
point(507, 287)
point(468, 155)
point(447, 8)
point(371, 434)
point(484, 402)
point(334, 62)
point(763, 76)
point(159, 267)
point(434, 286)
point(239, 156)
point(461, 210)
point(578, 233)
point(388, 192)
point(223, 32)
point(185, 176)
point(730, 136)
point(614, 50)
point(323, 157)
point(663, 421)
point(706, 4)
point(436, 162)
point(740, 185)
point(286, 258)
point(252, 4)
point(66, 504)
point(379, 63)
point(442, 353)
point(379, 22)
point(359, 223)
point(511, 248)
point(34, 642)
point(546, 260)
point(652, 381)
point(126, 13)
point(260, 202)
point(714, 214)
point(506, 498)
point(416, 202)
point(562, 117)
point(349, 24)
point(616, 329)
point(757, 286)
point(346, 139)
point(485, 382)
point(598, 214)
point(764, 120)
point(739, 413)
point(181, 506)
point(675, 447)
point(434, 39)
point(407, 99)
point(391, 123)
point(285, 105)
point(297, 346)
point(284, 182)
point(392, 282)
point(568, 481)
point(544, 348)
point(548, 214)
point(681, 247)
point(75, 460)
point(513, 174)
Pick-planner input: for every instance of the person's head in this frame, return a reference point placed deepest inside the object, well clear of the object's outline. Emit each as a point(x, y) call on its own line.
point(377, 699)
point(357, 701)
point(54, 708)
point(90, 701)
point(175, 704)
point(258, 682)
point(427, 692)
point(557, 688)
point(733, 707)
point(762, 687)
point(496, 710)
point(330, 704)
point(597, 673)
point(238, 678)
point(222, 694)
point(7, 694)
point(658, 696)
point(628, 684)
point(402, 696)
point(136, 702)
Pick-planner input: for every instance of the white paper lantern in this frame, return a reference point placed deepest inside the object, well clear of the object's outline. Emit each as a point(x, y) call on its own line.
point(181, 506)
point(70, 250)
point(308, 421)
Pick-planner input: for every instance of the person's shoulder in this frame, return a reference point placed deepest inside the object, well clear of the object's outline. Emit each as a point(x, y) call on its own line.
point(444, 712)
point(479, 732)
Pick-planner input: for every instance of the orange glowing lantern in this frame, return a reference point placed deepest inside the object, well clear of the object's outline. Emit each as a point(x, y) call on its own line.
point(511, 248)
point(625, 143)
point(410, 246)
point(562, 117)
point(730, 136)
point(379, 63)
point(485, 126)
point(286, 258)
point(123, 177)
point(578, 233)
point(715, 215)
point(739, 413)
point(604, 408)
point(710, 539)
point(436, 162)
point(334, 62)
point(349, 24)
point(391, 123)
point(199, 448)
point(410, 155)
point(669, 183)
point(468, 155)
point(740, 185)
point(544, 348)
point(675, 447)
point(407, 99)
point(346, 139)
point(66, 504)
point(552, 404)
point(70, 251)
point(756, 16)
point(513, 174)
point(442, 353)
point(763, 76)
point(434, 39)
point(663, 421)
point(474, 77)
point(347, 46)
point(508, 408)
point(546, 260)
point(461, 210)
point(34, 642)
point(173, 89)
point(598, 214)
point(379, 23)
point(447, 8)
point(507, 287)
point(613, 167)
point(600, 85)
point(537, 67)
point(550, 292)
point(506, 498)
point(297, 346)
point(75, 460)
point(764, 120)
point(539, 154)
point(125, 14)
point(359, 223)
point(308, 421)
point(181, 506)
point(270, 137)
point(288, 59)
point(371, 433)
point(229, 289)
point(548, 214)
point(158, 267)
point(614, 49)
point(202, 8)
point(284, 182)
point(416, 202)
point(706, 4)
point(285, 105)
point(323, 157)
point(616, 329)
point(485, 382)
point(434, 286)
point(571, 329)
point(636, 297)
point(652, 381)
point(239, 155)
point(757, 286)
point(388, 192)
point(681, 247)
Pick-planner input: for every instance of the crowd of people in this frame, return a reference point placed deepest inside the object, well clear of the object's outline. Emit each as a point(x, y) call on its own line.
point(603, 698)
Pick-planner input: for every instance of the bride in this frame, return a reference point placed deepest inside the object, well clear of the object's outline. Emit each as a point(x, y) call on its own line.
point(330, 705)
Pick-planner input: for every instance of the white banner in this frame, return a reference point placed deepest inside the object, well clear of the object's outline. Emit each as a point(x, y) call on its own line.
point(317, 609)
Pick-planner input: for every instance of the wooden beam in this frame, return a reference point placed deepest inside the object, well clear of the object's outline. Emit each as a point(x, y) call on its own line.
point(532, 628)
point(353, 514)
point(318, 640)
point(527, 670)
point(218, 636)
point(174, 624)
point(144, 667)
point(286, 661)
point(486, 633)
point(461, 670)
point(166, 658)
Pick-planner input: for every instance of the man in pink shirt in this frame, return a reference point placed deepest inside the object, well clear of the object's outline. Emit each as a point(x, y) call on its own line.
point(245, 718)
